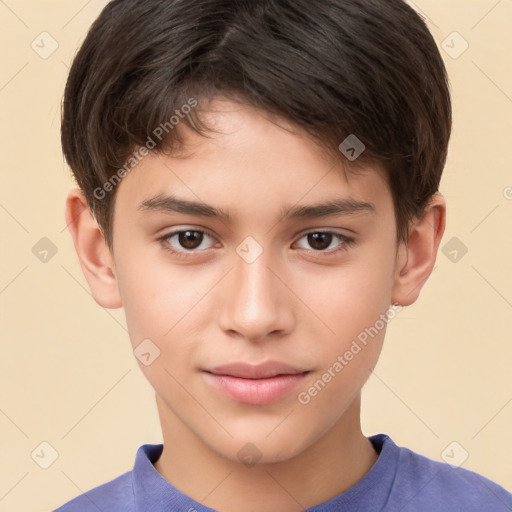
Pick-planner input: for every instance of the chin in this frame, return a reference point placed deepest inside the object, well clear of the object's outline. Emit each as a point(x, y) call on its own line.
point(260, 447)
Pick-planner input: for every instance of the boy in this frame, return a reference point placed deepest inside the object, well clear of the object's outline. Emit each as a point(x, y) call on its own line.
point(218, 146)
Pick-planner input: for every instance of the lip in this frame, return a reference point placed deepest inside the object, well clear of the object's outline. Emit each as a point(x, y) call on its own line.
point(259, 384)
point(256, 371)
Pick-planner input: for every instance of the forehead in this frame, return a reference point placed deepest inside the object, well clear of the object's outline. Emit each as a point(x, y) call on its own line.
point(251, 160)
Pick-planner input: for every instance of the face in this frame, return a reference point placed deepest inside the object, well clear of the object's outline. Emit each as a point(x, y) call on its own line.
point(254, 275)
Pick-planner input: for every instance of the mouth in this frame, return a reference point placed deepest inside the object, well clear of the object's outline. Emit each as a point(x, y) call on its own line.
point(260, 384)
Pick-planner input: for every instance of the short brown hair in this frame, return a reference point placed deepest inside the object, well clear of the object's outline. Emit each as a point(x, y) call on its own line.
point(333, 67)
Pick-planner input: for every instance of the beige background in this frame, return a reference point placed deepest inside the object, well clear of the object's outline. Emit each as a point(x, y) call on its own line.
point(68, 376)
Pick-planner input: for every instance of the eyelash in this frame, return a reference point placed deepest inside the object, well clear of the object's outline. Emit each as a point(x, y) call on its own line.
point(346, 242)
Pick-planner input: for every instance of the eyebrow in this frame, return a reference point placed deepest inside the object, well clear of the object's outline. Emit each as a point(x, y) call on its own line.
point(333, 207)
point(173, 204)
point(169, 204)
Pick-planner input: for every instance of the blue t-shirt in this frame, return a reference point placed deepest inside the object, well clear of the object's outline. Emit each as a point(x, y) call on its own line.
point(399, 481)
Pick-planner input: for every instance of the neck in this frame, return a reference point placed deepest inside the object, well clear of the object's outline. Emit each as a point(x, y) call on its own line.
point(330, 466)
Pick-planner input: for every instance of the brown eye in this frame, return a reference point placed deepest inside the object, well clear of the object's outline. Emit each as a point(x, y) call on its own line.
point(319, 241)
point(187, 240)
point(190, 239)
point(328, 242)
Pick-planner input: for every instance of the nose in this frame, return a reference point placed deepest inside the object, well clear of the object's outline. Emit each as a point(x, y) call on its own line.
point(254, 302)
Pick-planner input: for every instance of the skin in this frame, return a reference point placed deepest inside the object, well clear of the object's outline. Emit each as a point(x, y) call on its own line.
point(298, 302)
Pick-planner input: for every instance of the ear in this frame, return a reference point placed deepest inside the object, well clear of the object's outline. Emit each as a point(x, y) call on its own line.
point(416, 258)
point(93, 253)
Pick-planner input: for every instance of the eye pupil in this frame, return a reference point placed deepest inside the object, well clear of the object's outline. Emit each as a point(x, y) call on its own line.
point(190, 239)
point(322, 239)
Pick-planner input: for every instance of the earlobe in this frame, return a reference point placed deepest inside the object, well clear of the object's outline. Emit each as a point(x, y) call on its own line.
point(417, 257)
point(92, 250)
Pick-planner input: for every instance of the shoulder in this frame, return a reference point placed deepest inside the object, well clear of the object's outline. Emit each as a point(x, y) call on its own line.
point(116, 495)
point(423, 484)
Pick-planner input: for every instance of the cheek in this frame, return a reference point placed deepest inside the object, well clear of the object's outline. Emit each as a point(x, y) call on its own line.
point(354, 298)
point(160, 304)
point(157, 297)
point(353, 301)
point(356, 310)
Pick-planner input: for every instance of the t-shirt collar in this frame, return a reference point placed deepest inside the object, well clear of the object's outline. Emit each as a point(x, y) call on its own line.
point(154, 493)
